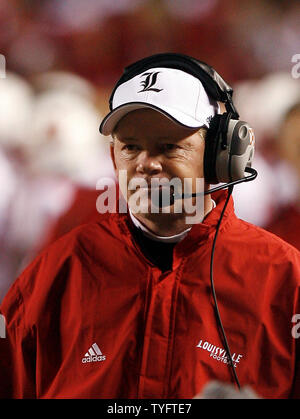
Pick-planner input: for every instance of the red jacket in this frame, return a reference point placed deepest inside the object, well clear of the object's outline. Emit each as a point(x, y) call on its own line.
point(91, 317)
point(286, 224)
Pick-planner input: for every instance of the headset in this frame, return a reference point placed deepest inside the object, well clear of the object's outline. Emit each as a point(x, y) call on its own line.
point(229, 143)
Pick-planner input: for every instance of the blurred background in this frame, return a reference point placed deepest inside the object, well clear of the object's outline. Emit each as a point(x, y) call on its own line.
point(62, 60)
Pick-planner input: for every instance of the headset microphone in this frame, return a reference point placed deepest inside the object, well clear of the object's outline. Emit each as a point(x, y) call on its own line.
point(252, 176)
point(161, 202)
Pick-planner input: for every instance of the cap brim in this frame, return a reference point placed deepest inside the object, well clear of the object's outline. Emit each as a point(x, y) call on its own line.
point(110, 121)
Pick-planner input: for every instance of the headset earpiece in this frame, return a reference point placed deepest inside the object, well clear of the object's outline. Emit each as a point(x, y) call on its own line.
point(241, 141)
point(212, 141)
point(229, 149)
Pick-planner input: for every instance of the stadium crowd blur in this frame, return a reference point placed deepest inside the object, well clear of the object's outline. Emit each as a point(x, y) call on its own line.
point(62, 59)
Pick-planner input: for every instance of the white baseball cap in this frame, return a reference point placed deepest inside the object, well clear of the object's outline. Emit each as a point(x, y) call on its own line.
point(175, 93)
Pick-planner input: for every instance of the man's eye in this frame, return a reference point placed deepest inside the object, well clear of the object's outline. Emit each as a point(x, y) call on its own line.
point(169, 147)
point(130, 147)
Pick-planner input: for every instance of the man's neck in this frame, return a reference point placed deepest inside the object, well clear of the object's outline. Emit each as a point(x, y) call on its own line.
point(166, 225)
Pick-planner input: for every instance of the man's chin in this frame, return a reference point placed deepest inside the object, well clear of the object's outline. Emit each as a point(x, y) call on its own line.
point(166, 214)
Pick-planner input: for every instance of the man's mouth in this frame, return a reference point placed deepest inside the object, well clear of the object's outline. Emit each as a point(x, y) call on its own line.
point(160, 195)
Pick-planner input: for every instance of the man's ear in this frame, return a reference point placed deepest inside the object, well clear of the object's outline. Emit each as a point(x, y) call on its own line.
point(222, 107)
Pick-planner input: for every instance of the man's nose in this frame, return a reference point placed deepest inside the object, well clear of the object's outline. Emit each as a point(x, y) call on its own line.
point(148, 164)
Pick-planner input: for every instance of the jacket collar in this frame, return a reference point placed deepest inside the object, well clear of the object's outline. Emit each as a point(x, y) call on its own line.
point(198, 235)
point(203, 233)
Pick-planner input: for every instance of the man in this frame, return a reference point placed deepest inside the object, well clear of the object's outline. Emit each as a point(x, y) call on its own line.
point(124, 307)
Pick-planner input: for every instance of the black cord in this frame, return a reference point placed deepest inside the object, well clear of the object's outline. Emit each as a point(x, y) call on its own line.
point(230, 189)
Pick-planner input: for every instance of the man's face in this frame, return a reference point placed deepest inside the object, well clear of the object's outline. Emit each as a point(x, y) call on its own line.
point(148, 145)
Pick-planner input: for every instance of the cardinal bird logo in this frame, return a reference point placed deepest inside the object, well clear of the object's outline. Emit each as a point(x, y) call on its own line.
point(149, 82)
